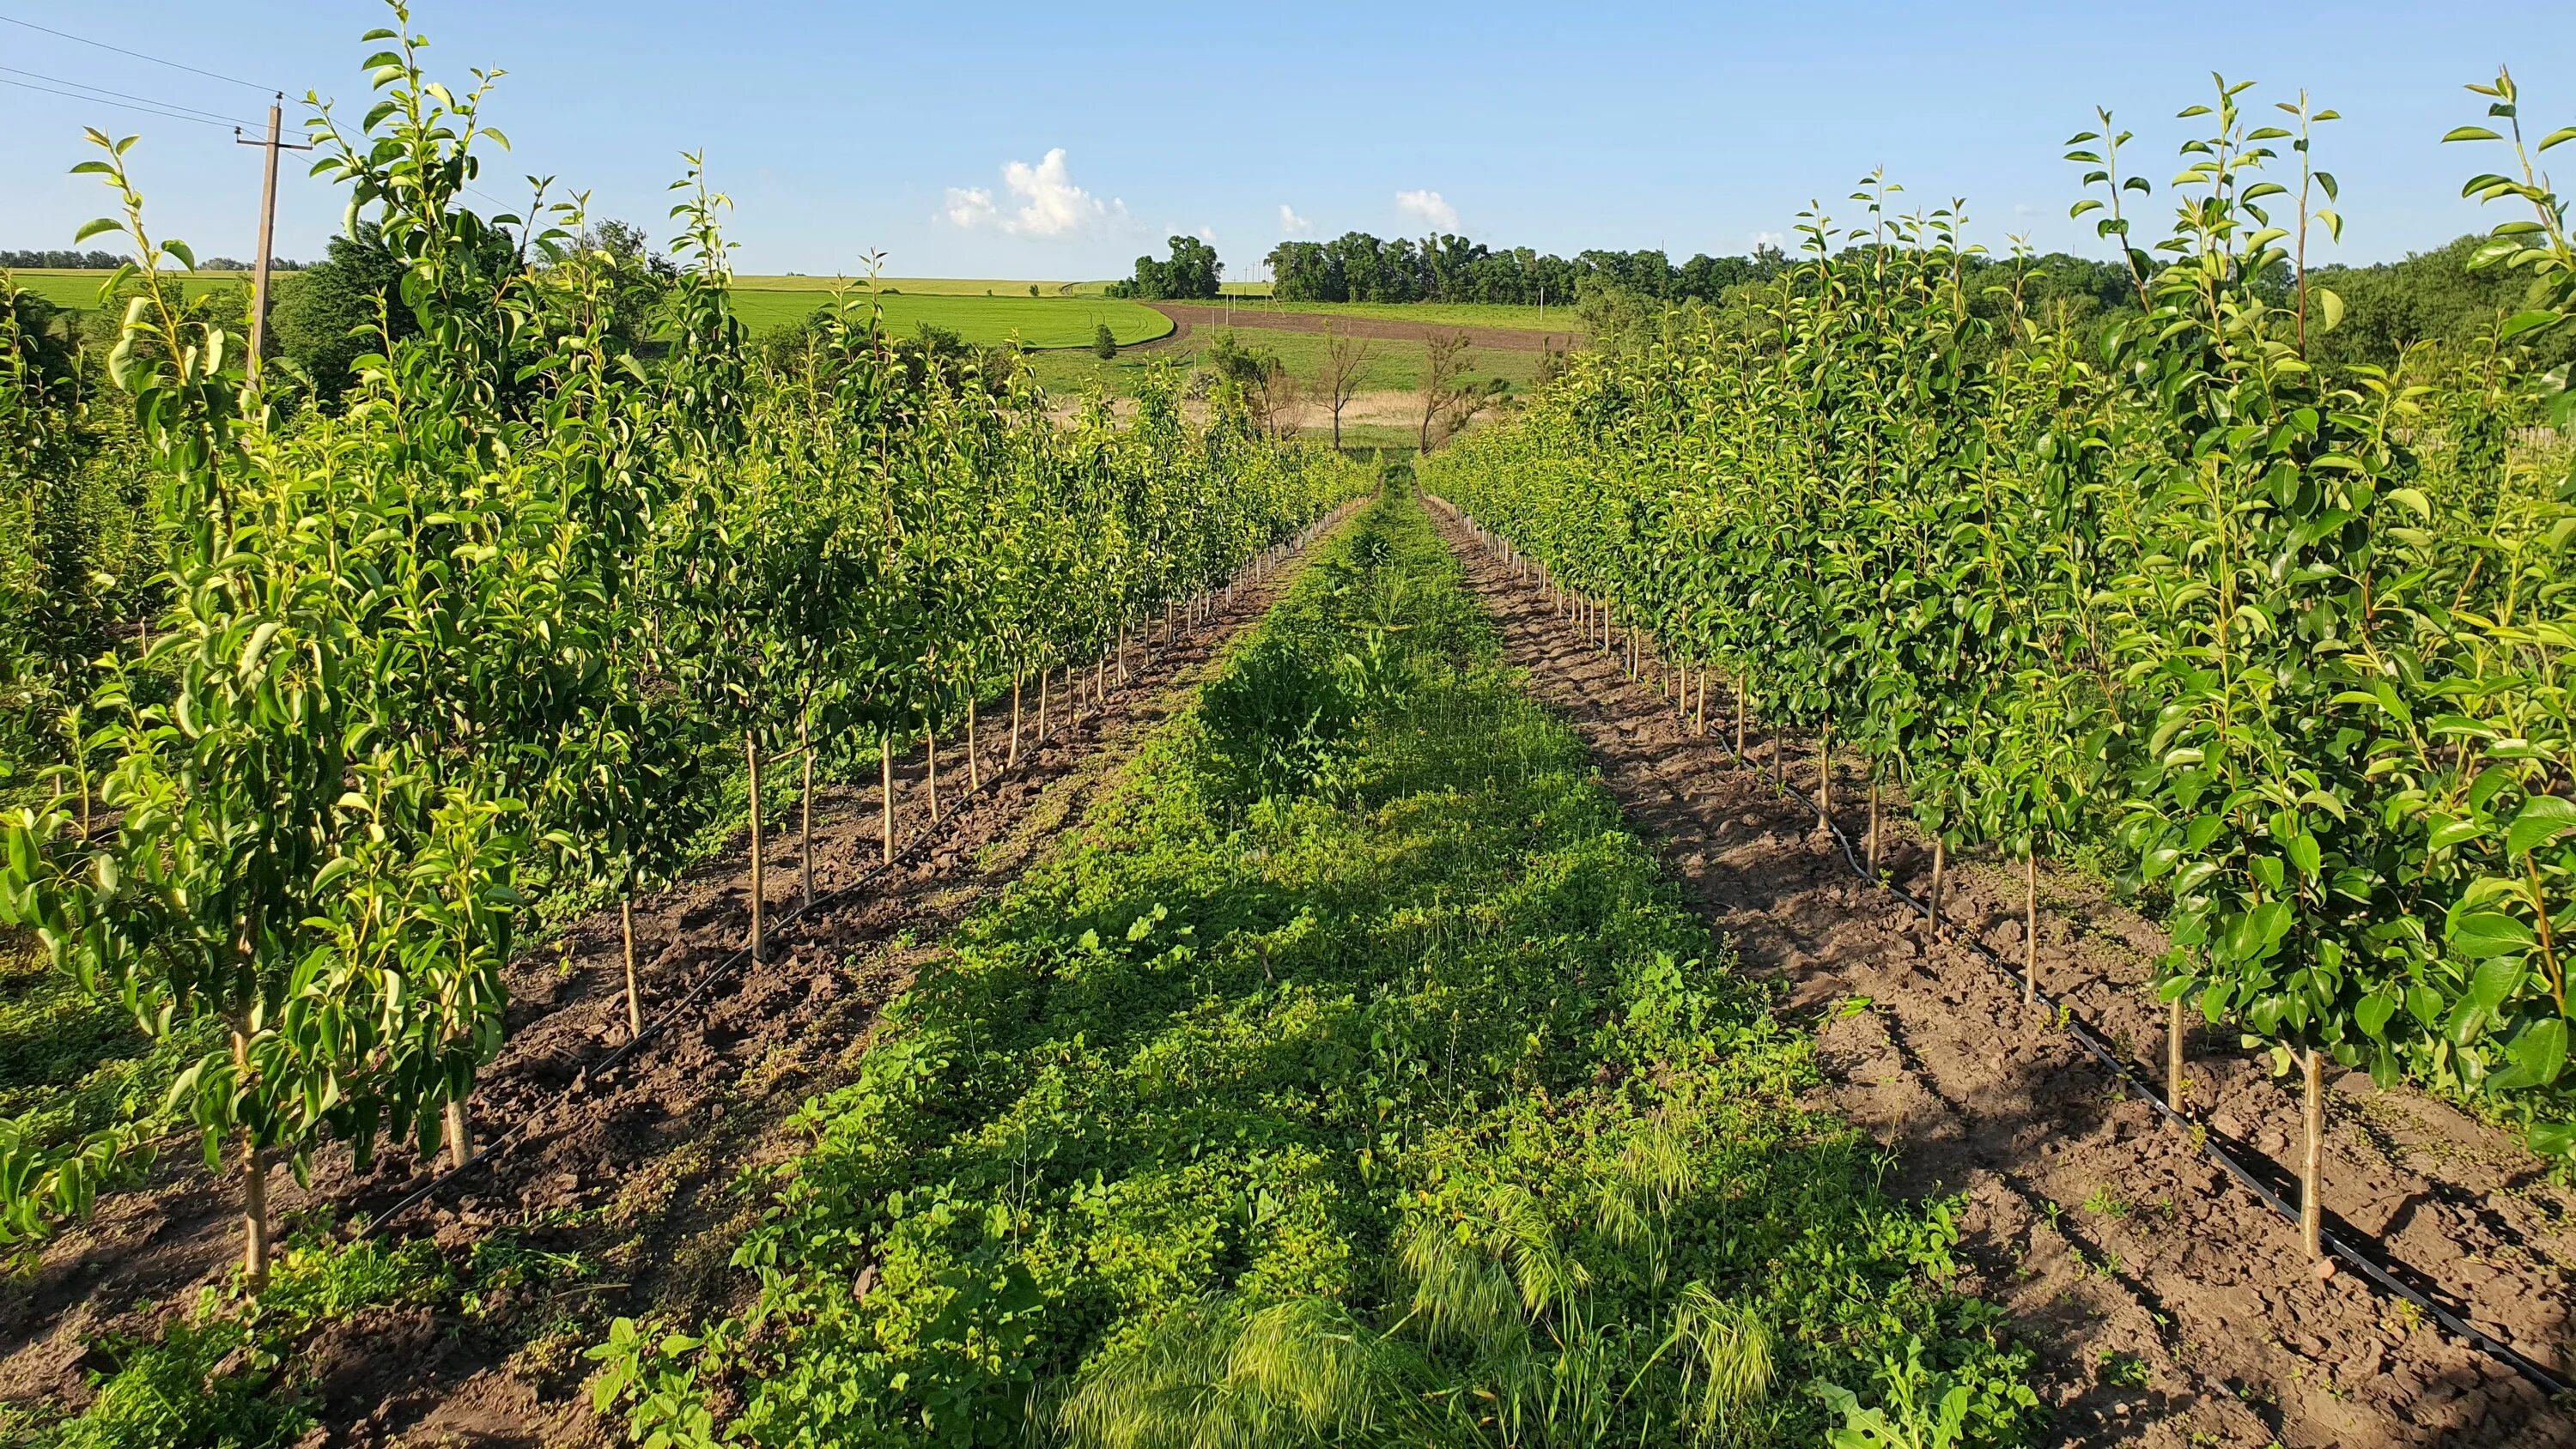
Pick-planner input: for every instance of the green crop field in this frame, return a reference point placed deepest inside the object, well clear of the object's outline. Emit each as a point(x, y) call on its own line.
point(769, 303)
point(1392, 365)
point(77, 291)
point(1032, 321)
point(921, 286)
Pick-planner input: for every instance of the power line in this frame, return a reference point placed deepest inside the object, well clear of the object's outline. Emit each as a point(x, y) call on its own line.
point(139, 55)
point(122, 105)
point(122, 95)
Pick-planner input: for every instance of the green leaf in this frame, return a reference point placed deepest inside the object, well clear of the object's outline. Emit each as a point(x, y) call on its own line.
point(2480, 935)
point(2543, 818)
point(101, 226)
point(2471, 133)
point(2541, 1050)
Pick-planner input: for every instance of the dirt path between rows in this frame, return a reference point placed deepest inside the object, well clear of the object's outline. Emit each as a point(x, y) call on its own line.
point(1253, 315)
point(2169, 1306)
point(630, 1168)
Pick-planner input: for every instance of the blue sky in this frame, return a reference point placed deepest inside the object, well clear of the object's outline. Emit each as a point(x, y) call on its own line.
point(1057, 141)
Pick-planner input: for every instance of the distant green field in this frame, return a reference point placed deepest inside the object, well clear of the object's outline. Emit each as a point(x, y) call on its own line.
point(1559, 320)
point(78, 291)
point(1035, 321)
point(919, 286)
point(767, 303)
point(1392, 366)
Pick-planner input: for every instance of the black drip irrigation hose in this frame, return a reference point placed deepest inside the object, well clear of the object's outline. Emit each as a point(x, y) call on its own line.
point(2138, 1085)
point(1278, 557)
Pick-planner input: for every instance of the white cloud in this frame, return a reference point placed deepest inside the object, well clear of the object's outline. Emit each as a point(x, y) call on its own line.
point(1291, 223)
point(1043, 201)
point(1763, 239)
point(1208, 234)
point(1427, 207)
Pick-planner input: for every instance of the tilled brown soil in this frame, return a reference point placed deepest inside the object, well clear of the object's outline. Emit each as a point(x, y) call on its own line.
point(2170, 1307)
point(631, 1166)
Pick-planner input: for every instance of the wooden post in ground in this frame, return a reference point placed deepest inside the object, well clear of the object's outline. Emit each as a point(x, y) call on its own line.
point(2030, 925)
point(2174, 1093)
point(2312, 1213)
point(1825, 773)
point(885, 794)
point(1940, 859)
point(751, 753)
point(930, 767)
point(1012, 762)
point(634, 996)
point(974, 756)
point(1043, 676)
point(805, 807)
point(1873, 822)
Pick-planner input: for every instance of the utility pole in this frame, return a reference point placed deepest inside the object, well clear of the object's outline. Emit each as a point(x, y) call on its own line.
point(267, 227)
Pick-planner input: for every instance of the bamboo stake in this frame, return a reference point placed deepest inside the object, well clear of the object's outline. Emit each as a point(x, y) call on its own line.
point(974, 756)
point(2030, 926)
point(1044, 675)
point(634, 996)
point(885, 793)
point(1739, 724)
point(2174, 1087)
point(1940, 859)
point(805, 808)
point(1873, 820)
point(751, 752)
point(2312, 1212)
point(930, 774)
point(1825, 773)
point(1013, 761)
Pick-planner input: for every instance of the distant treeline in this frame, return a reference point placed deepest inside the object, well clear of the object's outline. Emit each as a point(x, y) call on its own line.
point(67, 260)
point(2427, 297)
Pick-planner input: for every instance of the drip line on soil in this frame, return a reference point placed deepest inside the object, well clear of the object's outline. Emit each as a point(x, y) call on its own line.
point(2126, 1073)
point(733, 961)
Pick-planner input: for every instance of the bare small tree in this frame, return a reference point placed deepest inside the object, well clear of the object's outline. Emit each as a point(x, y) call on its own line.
point(1345, 356)
point(1449, 397)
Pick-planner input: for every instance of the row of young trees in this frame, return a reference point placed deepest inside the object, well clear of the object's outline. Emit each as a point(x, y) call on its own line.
point(499, 619)
point(2295, 635)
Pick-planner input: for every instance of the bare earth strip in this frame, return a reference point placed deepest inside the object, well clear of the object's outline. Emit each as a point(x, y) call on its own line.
point(2172, 1308)
point(630, 1167)
point(1506, 339)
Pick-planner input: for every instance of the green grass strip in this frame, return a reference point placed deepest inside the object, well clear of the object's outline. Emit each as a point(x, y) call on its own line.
point(1352, 1075)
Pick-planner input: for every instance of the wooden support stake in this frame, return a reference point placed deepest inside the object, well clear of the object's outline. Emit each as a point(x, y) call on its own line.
point(974, 756)
point(751, 753)
point(930, 768)
point(460, 1139)
point(2030, 926)
point(1012, 762)
point(805, 809)
point(2175, 1091)
point(885, 795)
point(1940, 860)
point(634, 994)
point(1873, 822)
point(2312, 1211)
